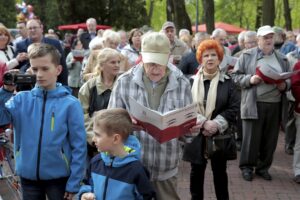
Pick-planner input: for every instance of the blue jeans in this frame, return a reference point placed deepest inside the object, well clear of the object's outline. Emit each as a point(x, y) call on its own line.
point(38, 190)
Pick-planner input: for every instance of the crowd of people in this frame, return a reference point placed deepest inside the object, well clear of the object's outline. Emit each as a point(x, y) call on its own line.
point(73, 130)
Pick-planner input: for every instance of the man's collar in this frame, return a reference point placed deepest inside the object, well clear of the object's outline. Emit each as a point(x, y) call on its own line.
point(261, 53)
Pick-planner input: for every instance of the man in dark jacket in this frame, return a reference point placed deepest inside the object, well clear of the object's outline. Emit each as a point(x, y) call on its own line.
point(86, 37)
point(35, 35)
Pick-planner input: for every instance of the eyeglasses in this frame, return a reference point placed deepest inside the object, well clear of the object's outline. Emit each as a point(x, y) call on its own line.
point(152, 66)
point(33, 28)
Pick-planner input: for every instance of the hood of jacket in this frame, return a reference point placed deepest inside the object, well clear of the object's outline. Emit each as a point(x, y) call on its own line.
point(59, 91)
point(131, 146)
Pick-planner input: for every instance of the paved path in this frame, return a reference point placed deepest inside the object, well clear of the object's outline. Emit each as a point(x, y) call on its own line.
point(282, 187)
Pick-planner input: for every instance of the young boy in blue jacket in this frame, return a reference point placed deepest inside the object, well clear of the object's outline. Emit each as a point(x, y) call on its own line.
point(116, 173)
point(50, 138)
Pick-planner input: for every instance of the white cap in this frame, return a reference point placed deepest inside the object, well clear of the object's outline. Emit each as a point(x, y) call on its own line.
point(265, 30)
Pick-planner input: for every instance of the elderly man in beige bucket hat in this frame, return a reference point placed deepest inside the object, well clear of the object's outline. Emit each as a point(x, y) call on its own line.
point(158, 85)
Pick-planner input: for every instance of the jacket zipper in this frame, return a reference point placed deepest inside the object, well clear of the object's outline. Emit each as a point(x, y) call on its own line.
point(52, 121)
point(41, 136)
point(107, 177)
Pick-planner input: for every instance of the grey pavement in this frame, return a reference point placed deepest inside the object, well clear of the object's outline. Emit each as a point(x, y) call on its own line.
point(282, 187)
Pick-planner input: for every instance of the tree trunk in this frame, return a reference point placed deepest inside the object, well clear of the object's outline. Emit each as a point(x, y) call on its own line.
point(181, 18)
point(258, 14)
point(241, 12)
point(170, 10)
point(209, 15)
point(287, 15)
point(268, 12)
point(151, 7)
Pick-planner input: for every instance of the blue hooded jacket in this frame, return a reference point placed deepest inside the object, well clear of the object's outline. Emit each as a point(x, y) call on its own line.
point(115, 178)
point(50, 138)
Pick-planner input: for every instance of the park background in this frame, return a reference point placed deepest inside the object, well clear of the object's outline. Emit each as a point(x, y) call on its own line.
point(128, 14)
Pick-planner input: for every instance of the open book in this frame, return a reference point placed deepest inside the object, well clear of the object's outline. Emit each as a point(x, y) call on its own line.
point(78, 54)
point(270, 76)
point(167, 126)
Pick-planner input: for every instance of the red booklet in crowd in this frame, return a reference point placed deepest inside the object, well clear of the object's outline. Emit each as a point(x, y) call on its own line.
point(270, 76)
point(167, 126)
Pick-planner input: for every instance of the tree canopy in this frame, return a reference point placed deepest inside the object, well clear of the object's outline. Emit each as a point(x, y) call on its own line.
point(128, 14)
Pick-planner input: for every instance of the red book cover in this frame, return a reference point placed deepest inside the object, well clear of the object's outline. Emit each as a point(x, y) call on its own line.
point(167, 126)
point(270, 76)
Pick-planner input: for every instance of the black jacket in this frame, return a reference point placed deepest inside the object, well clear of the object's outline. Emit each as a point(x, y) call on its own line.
point(227, 105)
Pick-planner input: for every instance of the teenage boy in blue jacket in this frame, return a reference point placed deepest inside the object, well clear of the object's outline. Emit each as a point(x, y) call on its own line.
point(116, 173)
point(50, 139)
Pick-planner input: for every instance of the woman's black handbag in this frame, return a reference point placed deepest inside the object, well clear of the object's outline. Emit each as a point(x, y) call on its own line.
point(223, 144)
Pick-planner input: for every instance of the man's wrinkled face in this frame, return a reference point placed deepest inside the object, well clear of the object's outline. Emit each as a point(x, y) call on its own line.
point(266, 43)
point(91, 26)
point(155, 72)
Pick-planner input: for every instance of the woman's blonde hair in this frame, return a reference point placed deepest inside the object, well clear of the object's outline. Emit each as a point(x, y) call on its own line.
point(4, 30)
point(104, 55)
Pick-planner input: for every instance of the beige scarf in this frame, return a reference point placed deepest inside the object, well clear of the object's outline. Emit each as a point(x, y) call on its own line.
point(198, 92)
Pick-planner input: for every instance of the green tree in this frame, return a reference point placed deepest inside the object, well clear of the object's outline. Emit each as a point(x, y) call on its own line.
point(8, 13)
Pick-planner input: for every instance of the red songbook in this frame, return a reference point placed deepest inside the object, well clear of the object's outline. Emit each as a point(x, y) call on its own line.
point(78, 55)
point(167, 126)
point(270, 76)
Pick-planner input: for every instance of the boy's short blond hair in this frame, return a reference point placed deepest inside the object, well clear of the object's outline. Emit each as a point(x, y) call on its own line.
point(37, 50)
point(114, 121)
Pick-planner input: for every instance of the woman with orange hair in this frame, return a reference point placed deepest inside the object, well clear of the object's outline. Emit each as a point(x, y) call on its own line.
point(215, 94)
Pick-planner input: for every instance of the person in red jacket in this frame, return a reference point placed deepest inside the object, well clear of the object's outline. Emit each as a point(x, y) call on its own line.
point(296, 93)
point(3, 69)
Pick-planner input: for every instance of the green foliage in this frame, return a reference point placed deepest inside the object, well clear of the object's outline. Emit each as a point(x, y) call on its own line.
point(159, 13)
point(238, 12)
point(8, 13)
point(125, 14)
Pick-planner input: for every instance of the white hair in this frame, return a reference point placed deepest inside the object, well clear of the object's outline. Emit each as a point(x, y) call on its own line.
point(249, 34)
point(217, 32)
point(96, 42)
point(241, 36)
point(111, 35)
point(91, 20)
point(298, 37)
point(184, 32)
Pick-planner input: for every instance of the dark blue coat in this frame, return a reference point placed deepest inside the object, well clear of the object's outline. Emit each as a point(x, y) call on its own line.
point(23, 66)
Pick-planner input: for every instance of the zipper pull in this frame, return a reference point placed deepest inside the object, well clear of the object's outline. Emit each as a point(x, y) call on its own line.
point(213, 145)
point(52, 121)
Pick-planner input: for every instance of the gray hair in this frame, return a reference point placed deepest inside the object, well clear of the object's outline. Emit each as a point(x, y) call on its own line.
point(249, 34)
point(298, 37)
point(91, 20)
point(241, 36)
point(111, 35)
point(184, 32)
point(217, 32)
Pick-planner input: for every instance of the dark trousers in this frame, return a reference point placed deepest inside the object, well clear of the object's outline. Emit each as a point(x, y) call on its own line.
point(218, 165)
point(290, 128)
point(260, 137)
point(38, 190)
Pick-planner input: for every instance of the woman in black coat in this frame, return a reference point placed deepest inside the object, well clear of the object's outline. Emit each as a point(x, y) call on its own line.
point(218, 104)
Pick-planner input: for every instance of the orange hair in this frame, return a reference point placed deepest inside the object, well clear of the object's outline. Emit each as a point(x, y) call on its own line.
point(209, 44)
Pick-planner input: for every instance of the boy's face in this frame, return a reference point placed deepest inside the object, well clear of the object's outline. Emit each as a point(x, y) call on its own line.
point(46, 71)
point(102, 140)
